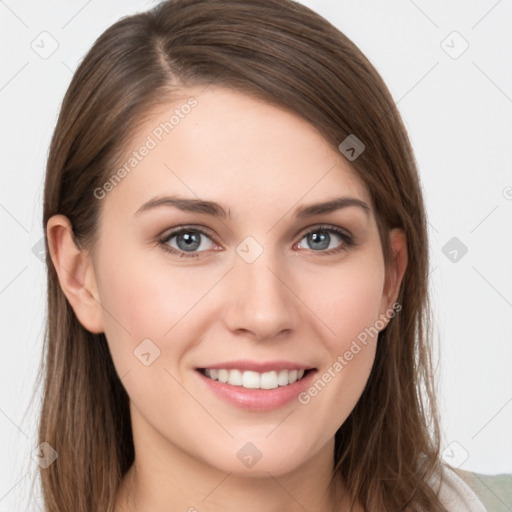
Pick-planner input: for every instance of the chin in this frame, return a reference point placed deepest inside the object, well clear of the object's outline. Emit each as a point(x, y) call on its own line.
point(258, 458)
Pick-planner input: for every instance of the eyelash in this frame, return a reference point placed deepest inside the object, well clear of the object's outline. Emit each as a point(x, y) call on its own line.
point(348, 240)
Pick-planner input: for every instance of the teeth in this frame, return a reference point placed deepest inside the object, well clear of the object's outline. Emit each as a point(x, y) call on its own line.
point(235, 377)
point(268, 380)
point(251, 380)
point(255, 380)
point(223, 375)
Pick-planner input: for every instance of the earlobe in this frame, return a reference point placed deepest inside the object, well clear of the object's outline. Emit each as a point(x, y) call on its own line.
point(75, 272)
point(396, 269)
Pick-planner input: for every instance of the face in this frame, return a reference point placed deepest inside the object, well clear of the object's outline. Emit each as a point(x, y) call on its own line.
point(255, 286)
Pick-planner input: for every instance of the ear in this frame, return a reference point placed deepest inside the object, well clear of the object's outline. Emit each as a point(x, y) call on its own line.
point(75, 272)
point(396, 269)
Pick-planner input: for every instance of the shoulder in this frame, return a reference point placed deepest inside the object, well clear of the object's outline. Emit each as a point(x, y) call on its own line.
point(493, 491)
point(454, 493)
point(465, 491)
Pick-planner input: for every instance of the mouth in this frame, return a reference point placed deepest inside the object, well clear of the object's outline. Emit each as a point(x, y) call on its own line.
point(273, 386)
point(249, 379)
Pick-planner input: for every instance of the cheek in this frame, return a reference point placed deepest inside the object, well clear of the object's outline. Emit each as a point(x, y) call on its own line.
point(142, 299)
point(347, 302)
point(145, 314)
point(347, 298)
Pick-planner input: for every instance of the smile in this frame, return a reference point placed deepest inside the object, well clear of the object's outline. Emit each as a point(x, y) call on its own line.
point(254, 380)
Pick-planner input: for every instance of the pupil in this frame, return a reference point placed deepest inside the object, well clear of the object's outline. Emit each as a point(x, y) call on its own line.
point(190, 239)
point(322, 240)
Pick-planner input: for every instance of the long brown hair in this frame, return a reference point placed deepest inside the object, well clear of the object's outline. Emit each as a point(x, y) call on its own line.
point(280, 51)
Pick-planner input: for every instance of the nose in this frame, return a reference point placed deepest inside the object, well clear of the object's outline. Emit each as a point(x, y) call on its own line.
point(260, 301)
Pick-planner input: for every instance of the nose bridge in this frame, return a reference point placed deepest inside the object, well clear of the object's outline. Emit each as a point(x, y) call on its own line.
point(260, 300)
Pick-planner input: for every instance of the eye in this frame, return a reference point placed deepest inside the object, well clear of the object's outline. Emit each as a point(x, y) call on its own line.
point(187, 242)
point(324, 239)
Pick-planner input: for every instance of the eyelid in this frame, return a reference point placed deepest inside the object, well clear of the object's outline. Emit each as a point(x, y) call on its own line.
point(327, 227)
point(169, 233)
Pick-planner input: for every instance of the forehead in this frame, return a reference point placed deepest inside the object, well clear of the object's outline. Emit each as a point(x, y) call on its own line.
point(216, 143)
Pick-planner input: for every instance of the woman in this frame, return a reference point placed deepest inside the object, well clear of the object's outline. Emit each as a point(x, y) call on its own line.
point(237, 289)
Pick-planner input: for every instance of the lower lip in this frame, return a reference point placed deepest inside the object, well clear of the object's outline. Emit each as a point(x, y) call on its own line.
point(258, 399)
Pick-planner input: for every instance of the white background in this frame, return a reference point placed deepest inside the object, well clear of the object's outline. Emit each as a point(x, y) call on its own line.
point(458, 112)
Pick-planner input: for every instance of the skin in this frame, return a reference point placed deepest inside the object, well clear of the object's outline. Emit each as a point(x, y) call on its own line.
point(293, 302)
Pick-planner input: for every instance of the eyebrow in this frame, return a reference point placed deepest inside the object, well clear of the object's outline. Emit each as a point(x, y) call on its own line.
point(216, 210)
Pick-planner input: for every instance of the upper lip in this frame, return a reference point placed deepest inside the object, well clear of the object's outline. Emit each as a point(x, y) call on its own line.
point(257, 366)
